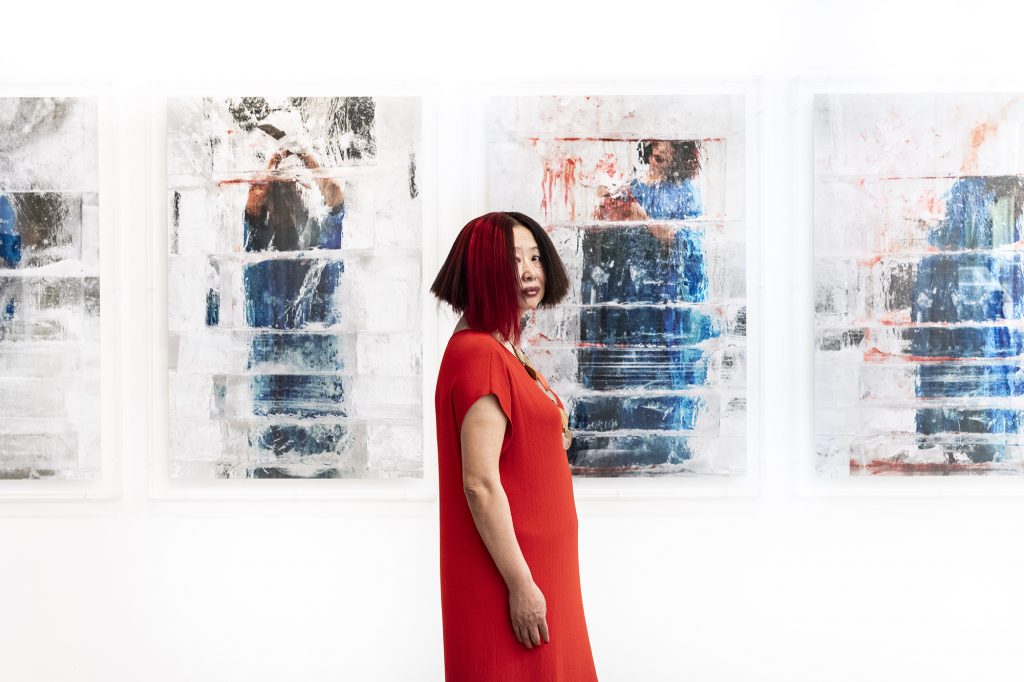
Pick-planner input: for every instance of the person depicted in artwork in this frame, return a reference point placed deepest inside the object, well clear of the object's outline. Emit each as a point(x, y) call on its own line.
point(283, 213)
point(511, 603)
point(667, 192)
point(277, 216)
point(644, 342)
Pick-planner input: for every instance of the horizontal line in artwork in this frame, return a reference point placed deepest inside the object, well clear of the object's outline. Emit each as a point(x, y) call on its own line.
point(874, 258)
point(267, 370)
point(192, 180)
point(919, 441)
point(916, 360)
point(729, 392)
point(309, 254)
point(937, 403)
point(39, 430)
point(901, 438)
point(1009, 323)
point(58, 273)
point(681, 305)
point(735, 341)
point(629, 433)
point(357, 167)
point(285, 420)
point(321, 329)
point(867, 176)
point(697, 224)
point(77, 191)
point(632, 139)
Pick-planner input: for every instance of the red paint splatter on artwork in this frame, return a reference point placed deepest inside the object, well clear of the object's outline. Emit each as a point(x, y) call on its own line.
point(258, 180)
point(606, 165)
point(931, 205)
point(618, 139)
point(875, 355)
point(561, 170)
point(978, 136)
point(619, 208)
point(886, 466)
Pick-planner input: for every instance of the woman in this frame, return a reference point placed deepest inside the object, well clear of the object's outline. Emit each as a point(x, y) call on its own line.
point(510, 586)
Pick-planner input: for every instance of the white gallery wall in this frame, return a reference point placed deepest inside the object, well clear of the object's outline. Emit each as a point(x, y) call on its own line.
point(784, 579)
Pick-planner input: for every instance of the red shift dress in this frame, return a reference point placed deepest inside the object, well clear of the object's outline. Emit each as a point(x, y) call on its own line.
point(479, 644)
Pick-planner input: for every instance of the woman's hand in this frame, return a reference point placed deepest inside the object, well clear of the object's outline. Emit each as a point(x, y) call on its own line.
point(528, 609)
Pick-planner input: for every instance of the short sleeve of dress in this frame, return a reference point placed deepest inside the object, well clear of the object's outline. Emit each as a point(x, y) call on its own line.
point(480, 371)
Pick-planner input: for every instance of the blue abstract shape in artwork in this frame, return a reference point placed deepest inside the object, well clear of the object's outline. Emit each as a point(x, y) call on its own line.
point(643, 264)
point(10, 239)
point(300, 395)
point(605, 369)
point(621, 453)
point(968, 286)
point(966, 342)
point(300, 352)
point(668, 201)
point(638, 334)
point(291, 293)
point(662, 413)
point(952, 380)
point(212, 308)
point(645, 326)
point(981, 213)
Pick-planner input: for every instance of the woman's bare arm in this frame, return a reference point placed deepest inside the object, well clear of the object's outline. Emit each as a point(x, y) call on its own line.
point(483, 430)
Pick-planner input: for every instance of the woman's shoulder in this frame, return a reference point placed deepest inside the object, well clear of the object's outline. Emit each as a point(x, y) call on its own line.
point(470, 350)
point(471, 342)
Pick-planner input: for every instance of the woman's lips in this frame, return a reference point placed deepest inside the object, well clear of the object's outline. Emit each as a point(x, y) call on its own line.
point(532, 291)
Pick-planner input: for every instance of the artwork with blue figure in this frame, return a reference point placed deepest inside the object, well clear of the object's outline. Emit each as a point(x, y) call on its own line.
point(919, 285)
point(50, 330)
point(302, 390)
point(648, 351)
point(971, 283)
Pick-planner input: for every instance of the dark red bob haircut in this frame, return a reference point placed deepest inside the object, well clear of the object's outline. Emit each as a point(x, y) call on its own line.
point(480, 278)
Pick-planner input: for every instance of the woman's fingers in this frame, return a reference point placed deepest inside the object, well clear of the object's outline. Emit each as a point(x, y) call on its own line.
point(523, 636)
point(532, 635)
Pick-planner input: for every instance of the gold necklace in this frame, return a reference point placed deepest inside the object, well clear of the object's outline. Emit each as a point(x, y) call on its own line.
point(541, 382)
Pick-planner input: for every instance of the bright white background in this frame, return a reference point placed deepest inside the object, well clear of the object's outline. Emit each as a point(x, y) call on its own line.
point(785, 585)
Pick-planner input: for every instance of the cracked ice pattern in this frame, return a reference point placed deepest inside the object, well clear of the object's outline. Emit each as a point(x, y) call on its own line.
point(643, 197)
point(294, 288)
point(49, 289)
point(919, 285)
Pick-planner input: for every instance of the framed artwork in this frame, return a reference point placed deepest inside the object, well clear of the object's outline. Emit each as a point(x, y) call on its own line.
point(294, 288)
point(918, 284)
point(51, 394)
point(645, 198)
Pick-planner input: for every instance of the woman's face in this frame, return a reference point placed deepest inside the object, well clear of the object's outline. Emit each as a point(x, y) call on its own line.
point(531, 270)
point(659, 166)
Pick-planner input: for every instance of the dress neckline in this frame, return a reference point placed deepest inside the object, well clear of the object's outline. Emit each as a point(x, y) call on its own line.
point(542, 387)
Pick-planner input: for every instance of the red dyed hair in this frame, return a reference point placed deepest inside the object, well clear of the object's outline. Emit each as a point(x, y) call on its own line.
point(480, 279)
